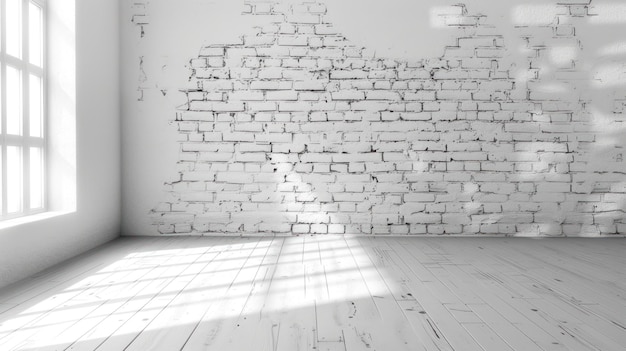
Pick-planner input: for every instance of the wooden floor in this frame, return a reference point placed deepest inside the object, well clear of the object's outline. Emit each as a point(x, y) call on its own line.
point(325, 293)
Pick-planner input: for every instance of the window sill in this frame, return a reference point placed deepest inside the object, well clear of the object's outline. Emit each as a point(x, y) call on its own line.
point(9, 223)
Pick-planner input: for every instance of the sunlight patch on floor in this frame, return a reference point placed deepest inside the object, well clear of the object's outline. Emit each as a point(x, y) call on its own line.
point(147, 291)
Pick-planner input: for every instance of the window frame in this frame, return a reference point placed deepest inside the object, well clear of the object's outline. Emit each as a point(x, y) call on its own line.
point(25, 141)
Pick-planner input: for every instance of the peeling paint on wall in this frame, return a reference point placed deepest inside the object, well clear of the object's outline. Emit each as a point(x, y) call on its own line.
point(140, 16)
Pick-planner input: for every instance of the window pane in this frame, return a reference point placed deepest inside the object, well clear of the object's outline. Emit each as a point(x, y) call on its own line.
point(14, 179)
point(36, 178)
point(1, 182)
point(14, 27)
point(1, 35)
point(35, 106)
point(14, 101)
point(1, 101)
point(35, 42)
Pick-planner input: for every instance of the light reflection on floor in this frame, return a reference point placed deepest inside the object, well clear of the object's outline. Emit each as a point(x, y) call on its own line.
point(197, 287)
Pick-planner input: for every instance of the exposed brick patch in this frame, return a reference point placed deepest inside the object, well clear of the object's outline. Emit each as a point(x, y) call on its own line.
point(296, 130)
point(140, 16)
point(140, 19)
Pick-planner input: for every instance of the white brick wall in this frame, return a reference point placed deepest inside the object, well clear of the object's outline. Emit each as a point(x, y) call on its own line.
point(295, 130)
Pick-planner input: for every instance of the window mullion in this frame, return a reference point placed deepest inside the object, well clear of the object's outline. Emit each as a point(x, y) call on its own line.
point(3, 206)
point(26, 178)
point(2, 29)
point(44, 100)
point(3, 149)
point(25, 105)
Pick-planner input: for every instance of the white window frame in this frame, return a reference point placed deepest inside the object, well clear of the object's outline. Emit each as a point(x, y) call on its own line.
point(25, 141)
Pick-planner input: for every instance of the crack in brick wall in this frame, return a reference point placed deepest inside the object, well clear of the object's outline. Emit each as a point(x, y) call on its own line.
point(295, 130)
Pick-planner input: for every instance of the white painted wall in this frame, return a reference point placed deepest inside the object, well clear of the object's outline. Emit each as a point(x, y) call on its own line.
point(91, 217)
point(174, 32)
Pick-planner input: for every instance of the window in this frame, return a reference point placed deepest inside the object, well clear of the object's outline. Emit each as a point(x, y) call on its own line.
point(22, 102)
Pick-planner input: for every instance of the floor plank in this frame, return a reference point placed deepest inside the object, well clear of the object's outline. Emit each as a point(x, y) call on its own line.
point(333, 293)
point(126, 321)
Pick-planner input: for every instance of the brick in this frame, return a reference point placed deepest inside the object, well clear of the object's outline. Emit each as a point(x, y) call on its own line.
point(284, 95)
point(271, 73)
point(304, 18)
point(295, 107)
point(522, 127)
point(212, 51)
point(315, 157)
point(245, 96)
point(295, 74)
point(237, 136)
point(348, 95)
point(541, 147)
point(326, 52)
point(383, 95)
point(414, 74)
point(271, 137)
point(422, 95)
point(369, 106)
point(313, 218)
point(454, 95)
point(358, 157)
point(423, 218)
point(197, 116)
point(312, 85)
point(293, 40)
point(348, 74)
point(325, 29)
point(262, 106)
point(271, 85)
point(419, 197)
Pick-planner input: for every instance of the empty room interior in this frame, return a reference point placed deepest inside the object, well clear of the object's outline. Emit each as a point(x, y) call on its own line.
point(313, 175)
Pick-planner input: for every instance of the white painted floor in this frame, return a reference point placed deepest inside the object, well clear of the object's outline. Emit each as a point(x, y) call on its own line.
point(325, 293)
